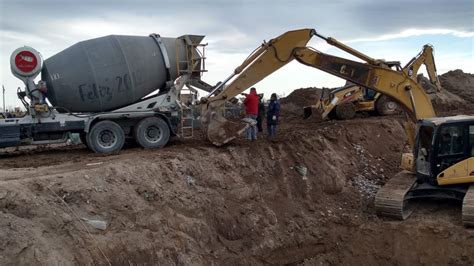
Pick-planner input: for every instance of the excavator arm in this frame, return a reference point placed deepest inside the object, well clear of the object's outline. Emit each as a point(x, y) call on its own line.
point(425, 57)
point(400, 84)
point(395, 84)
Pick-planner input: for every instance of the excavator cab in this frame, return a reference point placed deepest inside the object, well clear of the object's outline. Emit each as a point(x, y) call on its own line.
point(445, 151)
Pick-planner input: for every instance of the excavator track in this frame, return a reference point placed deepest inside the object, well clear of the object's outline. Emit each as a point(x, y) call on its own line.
point(468, 208)
point(390, 200)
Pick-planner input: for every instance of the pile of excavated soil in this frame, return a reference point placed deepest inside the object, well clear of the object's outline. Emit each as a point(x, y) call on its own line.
point(292, 105)
point(302, 96)
point(305, 198)
point(456, 96)
point(459, 83)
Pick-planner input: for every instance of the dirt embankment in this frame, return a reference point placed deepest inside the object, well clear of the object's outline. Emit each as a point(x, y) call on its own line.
point(246, 203)
point(304, 198)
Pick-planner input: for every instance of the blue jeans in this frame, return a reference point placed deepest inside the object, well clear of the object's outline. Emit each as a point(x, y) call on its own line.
point(272, 130)
point(252, 130)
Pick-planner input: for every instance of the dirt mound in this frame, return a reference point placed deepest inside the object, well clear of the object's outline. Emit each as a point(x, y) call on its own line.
point(302, 96)
point(304, 198)
point(459, 83)
point(292, 105)
point(456, 96)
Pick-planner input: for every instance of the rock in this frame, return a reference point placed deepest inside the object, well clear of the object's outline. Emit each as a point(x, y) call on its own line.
point(97, 224)
point(190, 180)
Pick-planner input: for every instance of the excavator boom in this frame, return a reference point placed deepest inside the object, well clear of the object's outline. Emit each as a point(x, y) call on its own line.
point(268, 58)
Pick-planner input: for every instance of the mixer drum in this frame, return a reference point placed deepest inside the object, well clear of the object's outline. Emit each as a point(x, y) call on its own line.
point(109, 72)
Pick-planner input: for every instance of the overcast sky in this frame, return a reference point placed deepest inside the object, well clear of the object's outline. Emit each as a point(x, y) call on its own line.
point(393, 30)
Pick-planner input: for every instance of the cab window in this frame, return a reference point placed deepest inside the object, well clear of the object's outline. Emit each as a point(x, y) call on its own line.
point(451, 141)
point(424, 150)
point(451, 146)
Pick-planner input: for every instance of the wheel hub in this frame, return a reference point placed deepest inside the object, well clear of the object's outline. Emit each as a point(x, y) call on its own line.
point(107, 138)
point(153, 134)
point(391, 106)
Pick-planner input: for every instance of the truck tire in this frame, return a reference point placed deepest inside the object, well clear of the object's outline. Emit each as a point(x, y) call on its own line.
point(151, 132)
point(386, 106)
point(105, 137)
point(345, 111)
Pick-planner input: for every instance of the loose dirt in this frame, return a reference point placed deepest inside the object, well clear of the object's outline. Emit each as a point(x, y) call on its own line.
point(456, 96)
point(246, 203)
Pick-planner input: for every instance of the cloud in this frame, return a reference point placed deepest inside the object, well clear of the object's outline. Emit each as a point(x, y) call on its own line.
point(415, 32)
point(232, 28)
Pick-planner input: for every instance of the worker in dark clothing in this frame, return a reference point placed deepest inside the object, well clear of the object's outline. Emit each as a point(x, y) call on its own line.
point(261, 112)
point(251, 112)
point(273, 115)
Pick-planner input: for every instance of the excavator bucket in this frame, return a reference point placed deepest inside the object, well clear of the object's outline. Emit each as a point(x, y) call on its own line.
point(307, 112)
point(220, 130)
point(317, 112)
point(320, 110)
point(313, 112)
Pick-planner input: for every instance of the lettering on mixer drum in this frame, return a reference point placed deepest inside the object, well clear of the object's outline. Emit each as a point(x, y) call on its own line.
point(92, 91)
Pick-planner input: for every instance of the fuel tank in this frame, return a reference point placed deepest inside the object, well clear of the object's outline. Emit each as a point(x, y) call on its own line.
point(110, 72)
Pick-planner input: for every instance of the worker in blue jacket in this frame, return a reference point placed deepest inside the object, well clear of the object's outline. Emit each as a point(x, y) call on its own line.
point(273, 115)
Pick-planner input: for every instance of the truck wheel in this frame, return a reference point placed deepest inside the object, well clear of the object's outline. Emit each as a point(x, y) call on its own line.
point(345, 111)
point(151, 132)
point(105, 137)
point(386, 106)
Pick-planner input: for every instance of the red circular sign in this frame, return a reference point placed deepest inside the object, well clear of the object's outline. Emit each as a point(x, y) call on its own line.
point(26, 61)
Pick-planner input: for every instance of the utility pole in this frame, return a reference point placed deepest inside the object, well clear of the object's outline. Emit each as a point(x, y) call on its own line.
point(3, 87)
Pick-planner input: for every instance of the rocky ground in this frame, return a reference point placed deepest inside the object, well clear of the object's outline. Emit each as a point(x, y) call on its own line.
point(305, 198)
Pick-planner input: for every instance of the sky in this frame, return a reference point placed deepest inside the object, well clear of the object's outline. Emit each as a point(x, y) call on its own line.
point(392, 30)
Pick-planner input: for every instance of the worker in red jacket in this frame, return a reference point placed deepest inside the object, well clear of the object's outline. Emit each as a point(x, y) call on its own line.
point(251, 112)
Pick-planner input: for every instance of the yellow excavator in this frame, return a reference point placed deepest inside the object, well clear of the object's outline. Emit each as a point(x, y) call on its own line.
point(441, 164)
point(345, 102)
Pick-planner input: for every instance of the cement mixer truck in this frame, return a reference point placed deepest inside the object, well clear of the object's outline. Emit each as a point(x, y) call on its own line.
point(107, 90)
